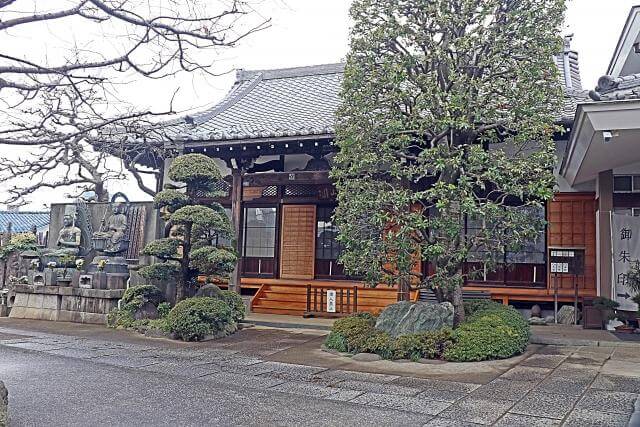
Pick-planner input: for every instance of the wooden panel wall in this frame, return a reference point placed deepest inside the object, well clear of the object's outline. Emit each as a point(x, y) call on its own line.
point(572, 223)
point(297, 241)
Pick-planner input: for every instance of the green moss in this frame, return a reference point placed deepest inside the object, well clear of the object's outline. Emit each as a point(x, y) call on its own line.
point(194, 169)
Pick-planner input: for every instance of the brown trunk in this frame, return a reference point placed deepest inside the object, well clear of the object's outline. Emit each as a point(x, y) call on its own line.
point(404, 290)
point(183, 278)
point(458, 306)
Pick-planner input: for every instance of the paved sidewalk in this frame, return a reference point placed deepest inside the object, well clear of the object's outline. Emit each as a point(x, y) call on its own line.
point(553, 385)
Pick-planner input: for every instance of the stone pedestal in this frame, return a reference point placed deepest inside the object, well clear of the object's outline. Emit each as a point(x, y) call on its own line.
point(50, 277)
point(115, 264)
point(64, 303)
point(117, 280)
point(99, 280)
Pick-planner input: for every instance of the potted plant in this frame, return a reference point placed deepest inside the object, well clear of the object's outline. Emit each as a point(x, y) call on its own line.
point(607, 308)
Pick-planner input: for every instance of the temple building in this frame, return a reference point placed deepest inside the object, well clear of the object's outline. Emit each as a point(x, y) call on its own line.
point(273, 136)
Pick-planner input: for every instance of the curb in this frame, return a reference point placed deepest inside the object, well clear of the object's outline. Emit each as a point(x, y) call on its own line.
point(283, 325)
point(578, 342)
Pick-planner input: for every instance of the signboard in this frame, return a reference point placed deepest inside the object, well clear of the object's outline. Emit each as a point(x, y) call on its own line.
point(566, 261)
point(625, 241)
point(331, 301)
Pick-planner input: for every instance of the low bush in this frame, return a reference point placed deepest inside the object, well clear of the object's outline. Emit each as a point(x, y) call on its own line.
point(356, 334)
point(491, 331)
point(235, 302)
point(194, 318)
point(355, 331)
point(427, 345)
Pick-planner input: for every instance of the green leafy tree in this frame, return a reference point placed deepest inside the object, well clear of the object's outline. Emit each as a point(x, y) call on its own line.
point(193, 249)
point(447, 117)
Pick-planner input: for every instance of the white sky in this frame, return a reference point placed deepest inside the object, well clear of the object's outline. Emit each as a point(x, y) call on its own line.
point(305, 32)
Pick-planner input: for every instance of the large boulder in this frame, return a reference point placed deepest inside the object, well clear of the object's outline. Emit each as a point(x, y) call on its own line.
point(148, 310)
point(406, 317)
point(209, 290)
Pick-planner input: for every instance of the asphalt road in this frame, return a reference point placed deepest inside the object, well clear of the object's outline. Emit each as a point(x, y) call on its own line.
point(60, 391)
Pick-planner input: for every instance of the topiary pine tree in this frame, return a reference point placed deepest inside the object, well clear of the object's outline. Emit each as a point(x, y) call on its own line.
point(447, 117)
point(191, 250)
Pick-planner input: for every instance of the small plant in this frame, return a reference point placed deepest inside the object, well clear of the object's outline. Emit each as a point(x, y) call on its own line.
point(163, 309)
point(102, 264)
point(52, 264)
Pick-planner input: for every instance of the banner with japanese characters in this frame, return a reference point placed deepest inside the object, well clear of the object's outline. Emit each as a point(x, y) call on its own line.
point(625, 241)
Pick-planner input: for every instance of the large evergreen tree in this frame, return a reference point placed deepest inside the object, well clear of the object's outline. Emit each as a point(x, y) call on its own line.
point(447, 117)
point(199, 229)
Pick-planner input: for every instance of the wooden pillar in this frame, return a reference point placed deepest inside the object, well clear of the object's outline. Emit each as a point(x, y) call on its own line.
point(236, 219)
point(605, 207)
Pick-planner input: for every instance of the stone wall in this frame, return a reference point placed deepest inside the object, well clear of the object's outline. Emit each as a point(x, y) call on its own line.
point(65, 304)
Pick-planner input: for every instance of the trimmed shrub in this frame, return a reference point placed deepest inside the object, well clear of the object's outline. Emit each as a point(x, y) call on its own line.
point(380, 343)
point(163, 309)
point(427, 345)
point(138, 295)
point(336, 341)
point(194, 318)
point(235, 303)
point(492, 331)
point(355, 331)
point(209, 290)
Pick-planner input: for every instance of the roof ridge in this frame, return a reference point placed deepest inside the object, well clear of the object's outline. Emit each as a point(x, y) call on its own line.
point(291, 72)
point(24, 212)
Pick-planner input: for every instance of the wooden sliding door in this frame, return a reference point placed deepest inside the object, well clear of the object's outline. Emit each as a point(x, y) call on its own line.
point(297, 241)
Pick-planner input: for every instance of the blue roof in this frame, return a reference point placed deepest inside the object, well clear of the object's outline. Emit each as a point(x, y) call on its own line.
point(23, 221)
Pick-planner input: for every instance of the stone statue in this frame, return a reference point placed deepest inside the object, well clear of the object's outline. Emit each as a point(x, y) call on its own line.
point(68, 242)
point(113, 230)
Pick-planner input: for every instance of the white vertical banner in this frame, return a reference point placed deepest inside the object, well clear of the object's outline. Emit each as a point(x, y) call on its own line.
point(625, 241)
point(331, 301)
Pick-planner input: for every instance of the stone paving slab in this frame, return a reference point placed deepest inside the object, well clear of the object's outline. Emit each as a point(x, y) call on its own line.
point(305, 389)
point(442, 395)
point(608, 401)
point(239, 380)
point(411, 404)
point(480, 411)
point(344, 395)
point(180, 369)
point(445, 422)
point(80, 353)
point(517, 420)
point(526, 373)
point(561, 385)
point(544, 360)
point(127, 361)
point(504, 389)
point(589, 418)
point(545, 405)
point(34, 346)
point(426, 383)
point(377, 388)
point(617, 383)
point(616, 367)
point(359, 376)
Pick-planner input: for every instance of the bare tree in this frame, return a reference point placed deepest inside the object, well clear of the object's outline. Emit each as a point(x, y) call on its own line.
point(62, 113)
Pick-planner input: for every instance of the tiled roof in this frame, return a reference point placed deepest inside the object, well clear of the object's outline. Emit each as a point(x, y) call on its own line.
point(616, 88)
point(23, 221)
point(294, 102)
point(272, 103)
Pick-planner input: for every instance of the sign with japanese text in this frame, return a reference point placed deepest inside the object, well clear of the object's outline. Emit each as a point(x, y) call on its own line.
point(566, 261)
point(625, 241)
point(331, 301)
